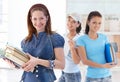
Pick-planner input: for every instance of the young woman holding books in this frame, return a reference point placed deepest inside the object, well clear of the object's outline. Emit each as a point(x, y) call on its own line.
point(91, 48)
point(44, 47)
point(71, 72)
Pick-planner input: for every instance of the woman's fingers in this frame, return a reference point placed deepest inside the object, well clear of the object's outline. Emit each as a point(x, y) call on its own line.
point(28, 67)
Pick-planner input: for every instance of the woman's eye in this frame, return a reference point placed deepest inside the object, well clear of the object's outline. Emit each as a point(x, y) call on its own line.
point(34, 18)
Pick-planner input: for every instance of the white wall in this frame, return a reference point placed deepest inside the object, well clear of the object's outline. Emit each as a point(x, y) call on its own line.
point(3, 22)
point(17, 12)
point(86, 6)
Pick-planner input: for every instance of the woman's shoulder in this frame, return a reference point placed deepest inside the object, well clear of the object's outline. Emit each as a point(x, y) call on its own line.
point(81, 36)
point(57, 40)
point(57, 36)
point(23, 41)
point(102, 35)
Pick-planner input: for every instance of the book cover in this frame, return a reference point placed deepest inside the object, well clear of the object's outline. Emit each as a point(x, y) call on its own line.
point(110, 54)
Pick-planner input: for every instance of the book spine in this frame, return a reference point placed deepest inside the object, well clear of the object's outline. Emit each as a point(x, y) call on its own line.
point(18, 51)
point(114, 55)
point(21, 57)
point(14, 59)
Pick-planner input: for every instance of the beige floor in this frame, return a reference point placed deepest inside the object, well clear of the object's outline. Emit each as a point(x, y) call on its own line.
point(8, 75)
point(115, 74)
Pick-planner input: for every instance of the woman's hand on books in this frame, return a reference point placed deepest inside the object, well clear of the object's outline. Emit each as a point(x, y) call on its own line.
point(109, 65)
point(30, 65)
point(11, 64)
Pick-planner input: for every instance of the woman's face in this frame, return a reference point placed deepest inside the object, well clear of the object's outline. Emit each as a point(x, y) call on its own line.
point(72, 24)
point(95, 23)
point(39, 20)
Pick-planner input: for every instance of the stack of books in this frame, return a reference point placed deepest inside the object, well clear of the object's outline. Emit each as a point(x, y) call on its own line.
point(15, 55)
point(110, 53)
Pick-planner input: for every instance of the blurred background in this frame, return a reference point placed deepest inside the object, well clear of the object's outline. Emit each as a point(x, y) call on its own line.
point(110, 24)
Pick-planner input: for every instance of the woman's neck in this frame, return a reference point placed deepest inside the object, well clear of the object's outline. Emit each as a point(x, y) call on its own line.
point(38, 32)
point(93, 35)
point(71, 35)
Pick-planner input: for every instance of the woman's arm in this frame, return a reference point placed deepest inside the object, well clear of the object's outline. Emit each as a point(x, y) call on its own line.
point(82, 53)
point(59, 58)
point(59, 61)
point(74, 53)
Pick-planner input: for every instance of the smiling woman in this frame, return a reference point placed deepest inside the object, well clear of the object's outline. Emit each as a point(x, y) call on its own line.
point(43, 46)
point(17, 18)
point(17, 21)
point(39, 22)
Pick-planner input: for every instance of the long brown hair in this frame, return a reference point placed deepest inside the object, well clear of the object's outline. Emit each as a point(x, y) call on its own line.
point(78, 29)
point(31, 29)
point(90, 16)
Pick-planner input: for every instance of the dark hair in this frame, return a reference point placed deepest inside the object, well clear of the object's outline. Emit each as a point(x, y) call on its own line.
point(90, 16)
point(78, 29)
point(31, 29)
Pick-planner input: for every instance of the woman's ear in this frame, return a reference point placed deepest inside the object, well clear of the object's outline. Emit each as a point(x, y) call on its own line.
point(88, 22)
point(47, 18)
point(78, 24)
point(31, 18)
